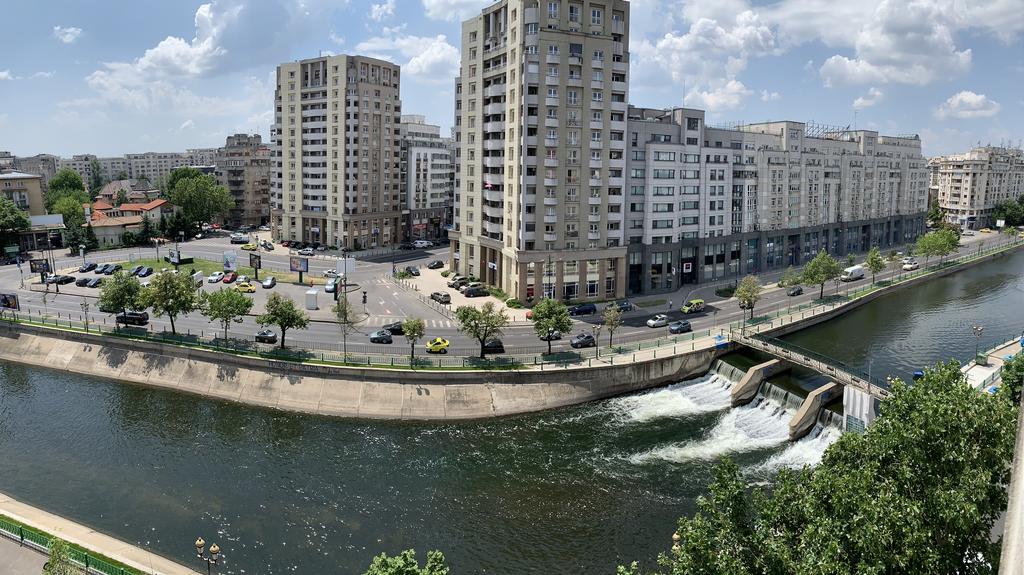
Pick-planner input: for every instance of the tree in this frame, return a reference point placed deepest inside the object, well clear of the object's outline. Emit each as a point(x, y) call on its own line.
point(59, 561)
point(909, 495)
point(91, 241)
point(171, 295)
point(895, 263)
point(611, 320)
point(67, 183)
point(121, 292)
point(282, 312)
point(12, 221)
point(948, 241)
point(749, 293)
point(74, 218)
point(790, 277)
point(875, 262)
point(850, 260)
point(550, 315)
point(405, 563)
point(225, 306)
point(481, 324)
point(935, 214)
point(1012, 376)
point(147, 232)
point(95, 179)
point(122, 175)
point(178, 174)
point(345, 315)
point(821, 270)
point(414, 329)
point(1010, 210)
point(937, 243)
point(122, 197)
point(200, 198)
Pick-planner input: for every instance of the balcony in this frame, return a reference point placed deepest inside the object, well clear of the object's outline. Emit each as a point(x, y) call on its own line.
point(531, 99)
point(551, 122)
point(552, 182)
point(493, 161)
point(619, 106)
point(596, 144)
point(551, 80)
point(550, 237)
point(594, 200)
point(620, 87)
point(497, 108)
point(550, 219)
point(494, 90)
point(549, 201)
point(574, 82)
point(553, 59)
point(616, 182)
point(492, 212)
point(596, 105)
point(551, 142)
point(494, 179)
point(494, 144)
point(529, 199)
point(594, 218)
point(494, 126)
point(620, 66)
point(597, 64)
point(614, 216)
point(551, 162)
point(618, 27)
point(597, 85)
point(492, 228)
point(550, 101)
point(595, 182)
point(493, 195)
point(593, 235)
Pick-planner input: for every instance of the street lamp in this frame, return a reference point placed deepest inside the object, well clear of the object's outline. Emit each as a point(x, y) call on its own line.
point(676, 546)
point(597, 336)
point(81, 252)
point(213, 559)
point(177, 249)
point(156, 244)
point(977, 339)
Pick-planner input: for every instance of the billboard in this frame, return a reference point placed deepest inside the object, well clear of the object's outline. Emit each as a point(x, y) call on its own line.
point(297, 264)
point(174, 256)
point(39, 266)
point(255, 261)
point(231, 261)
point(1000, 223)
point(343, 266)
point(9, 300)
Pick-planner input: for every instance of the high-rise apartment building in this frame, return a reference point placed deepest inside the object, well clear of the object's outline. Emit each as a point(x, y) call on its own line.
point(44, 165)
point(110, 168)
point(706, 204)
point(427, 176)
point(969, 186)
point(243, 167)
point(335, 174)
point(542, 120)
point(156, 166)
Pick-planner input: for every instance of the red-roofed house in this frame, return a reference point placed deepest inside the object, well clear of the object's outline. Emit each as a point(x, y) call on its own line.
point(134, 191)
point(110, 223)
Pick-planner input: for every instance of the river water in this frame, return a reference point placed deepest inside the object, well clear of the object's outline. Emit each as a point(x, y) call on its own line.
point(576, 490)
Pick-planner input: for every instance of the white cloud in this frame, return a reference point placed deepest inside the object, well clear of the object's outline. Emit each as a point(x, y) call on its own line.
point(767, 96)
point(873, 97)
point(66, 35)
point(453, 10)
point(967, 105)
point(430, 58)
point(6, 75)
point(379, 12)
point(186, 125)
point(727, 96)
point(43, 75)
point(339, 40)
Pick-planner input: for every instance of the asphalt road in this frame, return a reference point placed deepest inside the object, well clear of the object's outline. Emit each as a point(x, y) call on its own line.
point(387, 302)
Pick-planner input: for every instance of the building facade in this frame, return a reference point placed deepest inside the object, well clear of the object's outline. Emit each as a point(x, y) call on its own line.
point(156, 166)
point(335, 173)
point(969, 186)
point(44, 165)
point(25, 190)
point(542, 121)
point(709, 204)
point(110, 168)
point(427, 176)
point(243, 167)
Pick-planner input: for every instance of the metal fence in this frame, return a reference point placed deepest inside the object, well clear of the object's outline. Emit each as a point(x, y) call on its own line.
point(28, 537)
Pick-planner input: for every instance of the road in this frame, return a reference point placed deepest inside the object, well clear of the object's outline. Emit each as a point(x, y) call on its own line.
point(388, 302)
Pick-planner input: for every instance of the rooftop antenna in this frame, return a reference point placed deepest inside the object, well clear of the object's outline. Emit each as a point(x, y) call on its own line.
point(855, 119)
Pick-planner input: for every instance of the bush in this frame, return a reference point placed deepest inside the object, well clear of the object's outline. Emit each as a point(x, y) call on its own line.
point(446, 273)
point(726, 291)
point(403, 275)
point(498, 293)
point(472, 279)
point(513, 303)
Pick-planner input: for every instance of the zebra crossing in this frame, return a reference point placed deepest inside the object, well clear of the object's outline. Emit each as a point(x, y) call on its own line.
point(382, 320)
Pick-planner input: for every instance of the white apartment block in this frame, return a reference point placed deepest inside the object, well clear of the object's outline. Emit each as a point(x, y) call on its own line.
point(427, 177)
point(969, 186)
point(155, 166)
point(707, 204)
point(109, 167)
point(336, 152)
point(541, 111)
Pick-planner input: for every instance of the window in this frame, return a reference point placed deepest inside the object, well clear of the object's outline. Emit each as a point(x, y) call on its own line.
point(663, 207)
point(595, 135)
point(552, 9)
point(664, 156)
point(664, 174)
point(531, 28)
point(597, 96)
point(574, 13)
point(661, 138)
point(595, 17)
point(552, 71)
point(693, 123)
point(552, 92)
point(599, 55)
point(637, 173)
point(639, 155)
point(664, 191)
point(552, 49)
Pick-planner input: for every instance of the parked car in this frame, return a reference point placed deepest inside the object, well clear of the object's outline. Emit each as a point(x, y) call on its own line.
point(230, 277)
point(435, 265)
point(412, 270)
point(86, 267)
point(286, 243)
point(266, 336)
point(94, 283)
point(264, 228)
point(476, 292)
point(458, 281)
point(660, 320)
point(441, 297)
point(245, 287)
point(438, 345)
point(910, 266)
point(693, 306)
point(985, 230)
point(967, 233)
point(382, 336)
point(583, 340)
point(306, 252)
point(145, 272)
point(132, 318)
point(111, 269)
point(267, 246)
point(469, 285)
point(215, 277)
point(394, 328)
point(583, 309)
point(135, 270)
point(493, 347)
point(269, 283)
point(330, 273)
point(64, 280)
point(405, 246)
point(681, 326)
point(101, 269)
point(331, 285)
point(794, 291)
point(552, 335)
point(82, 281)
point(623, 305)
point(420, 244)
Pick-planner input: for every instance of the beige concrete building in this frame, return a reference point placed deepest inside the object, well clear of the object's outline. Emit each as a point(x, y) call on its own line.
point(542, 115)
point(110, 168)
point(336, 152)
point(45, 165)
point(25, 190)
point(427, 177)
point(970, 185)
point(243, 167)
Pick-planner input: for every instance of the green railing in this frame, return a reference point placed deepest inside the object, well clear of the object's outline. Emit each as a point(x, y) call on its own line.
point(820, 358)
point(91, 562)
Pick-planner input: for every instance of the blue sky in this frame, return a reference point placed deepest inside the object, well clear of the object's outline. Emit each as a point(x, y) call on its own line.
point(154, 75)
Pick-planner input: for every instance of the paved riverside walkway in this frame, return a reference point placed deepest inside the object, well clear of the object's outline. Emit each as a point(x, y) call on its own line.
point(86, 537)
point(18, 560)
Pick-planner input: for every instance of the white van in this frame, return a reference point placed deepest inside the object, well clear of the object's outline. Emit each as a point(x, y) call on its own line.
point(852, 273)
point(419, 244)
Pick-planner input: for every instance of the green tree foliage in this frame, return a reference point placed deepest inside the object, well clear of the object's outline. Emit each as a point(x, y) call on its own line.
point(171, 295)
point(120, 293)
point(821, 270)
point(200, 198)
point(790, 277)
point(481, 324)
point(12, 221)
point(96, 179)
point(225, 306)
point(910, 495)
point(1010, 210)
point(749, 293)
point(67, 182)
point(405, 563)
point(850, 260)
point(59, 561)
point(346, 316)
point(74, 217)
point(550, 315)
point(146, 232)
point(937, 243)
point(282, 312)
point(414, 330)
point(935, 214)
point(611, 319)
point(91, 241)
point(1012, 375)
point(122, 197)
point(875, 262)
point(178, 174)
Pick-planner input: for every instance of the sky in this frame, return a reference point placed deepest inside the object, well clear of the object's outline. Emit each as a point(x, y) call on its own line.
point(166, 75)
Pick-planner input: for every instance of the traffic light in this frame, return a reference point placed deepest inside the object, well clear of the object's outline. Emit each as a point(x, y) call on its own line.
point(364, 297)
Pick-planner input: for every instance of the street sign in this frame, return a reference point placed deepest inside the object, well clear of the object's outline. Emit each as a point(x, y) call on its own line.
point(343, 266)
point(39, 266)
point(255, 261)
point(9, 300)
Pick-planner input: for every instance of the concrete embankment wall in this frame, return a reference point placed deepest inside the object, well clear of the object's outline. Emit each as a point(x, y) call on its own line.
point(340, 391)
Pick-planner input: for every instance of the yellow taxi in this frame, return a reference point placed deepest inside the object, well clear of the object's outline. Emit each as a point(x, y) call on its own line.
point(250, 247)
point(245, 287)
point(438, 345)
point(985, 230)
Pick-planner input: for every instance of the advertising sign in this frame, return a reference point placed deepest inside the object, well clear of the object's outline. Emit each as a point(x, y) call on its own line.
point(687, 267)
point(174, 257)
point(9, 300)
point(343, 266)
point(39, 266)
point(297, 264)
point(255, 261)
point(1000, 223)
point(231, 261)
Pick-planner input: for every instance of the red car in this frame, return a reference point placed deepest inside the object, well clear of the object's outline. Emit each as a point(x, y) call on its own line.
point(230, 277)
point(285, 244)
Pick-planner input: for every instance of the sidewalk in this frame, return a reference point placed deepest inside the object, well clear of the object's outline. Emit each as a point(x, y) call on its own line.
point(18, 560)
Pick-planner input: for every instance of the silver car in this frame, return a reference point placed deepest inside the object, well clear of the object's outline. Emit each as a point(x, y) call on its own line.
point(269, 282)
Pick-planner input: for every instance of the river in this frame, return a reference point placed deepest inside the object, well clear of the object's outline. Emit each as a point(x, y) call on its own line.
point(575, 490)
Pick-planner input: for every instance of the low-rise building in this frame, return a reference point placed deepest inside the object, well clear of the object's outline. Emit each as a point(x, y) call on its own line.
point(968, 186)
point(25, 190)
point(110, 222)
point(138, 191)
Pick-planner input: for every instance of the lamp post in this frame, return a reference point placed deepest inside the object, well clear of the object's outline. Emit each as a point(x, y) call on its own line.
point(213, 559)
point(597, 336)
point(81, 252)
point(156, 244)
point(676, 546)
point(977, 329)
